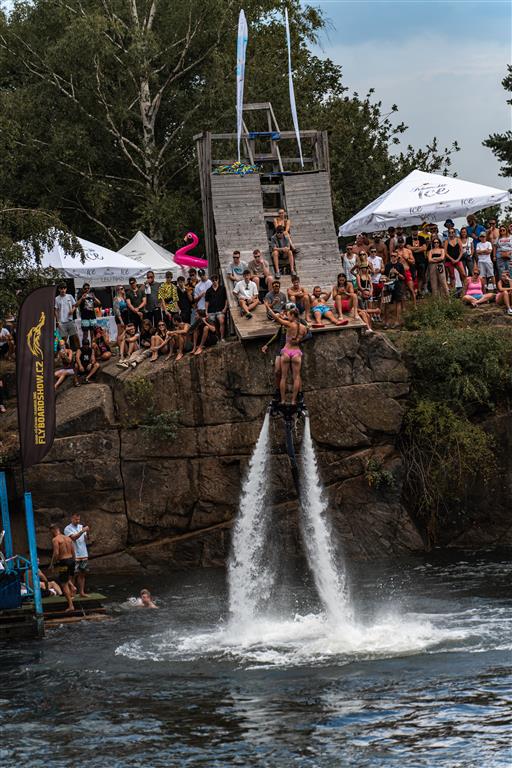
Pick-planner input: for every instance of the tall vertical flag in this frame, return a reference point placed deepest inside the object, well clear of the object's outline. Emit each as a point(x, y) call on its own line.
point(34, 375)
point(293, 106)
point(241, 49)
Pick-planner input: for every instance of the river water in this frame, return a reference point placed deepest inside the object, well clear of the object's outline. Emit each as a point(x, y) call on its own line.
point(422, 678)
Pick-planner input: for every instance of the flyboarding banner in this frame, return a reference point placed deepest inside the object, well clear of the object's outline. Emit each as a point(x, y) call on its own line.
point(293, 106)
point(34, 375)
point(241, 49)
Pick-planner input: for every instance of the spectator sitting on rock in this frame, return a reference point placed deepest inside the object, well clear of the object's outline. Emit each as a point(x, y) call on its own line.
point(260, 271)
point(474, 290)
point(86, 364)
point(159, 341)
point(320, 309)
point(185, 304)
point(131, 339)
point(274, 300)
point(101, 345)
point(203, 333)
point(246, 291)
point(299, 296)
point(236, 268)
point(177, 338)
point(505, 291)
point(280, 243)
point(147, 332)
point(65, 359)
point(216, 305)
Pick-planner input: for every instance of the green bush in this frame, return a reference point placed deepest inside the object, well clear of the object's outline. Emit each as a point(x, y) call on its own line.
point(376, 477)
point(463, 367)
point(443, 451)
point(161, 427)
point(434, 313)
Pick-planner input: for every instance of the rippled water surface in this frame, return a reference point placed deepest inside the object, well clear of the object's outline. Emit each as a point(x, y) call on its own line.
point(421, 679)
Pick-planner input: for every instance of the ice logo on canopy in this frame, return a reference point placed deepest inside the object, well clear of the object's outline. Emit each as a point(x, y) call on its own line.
point(93, 255)
point(430, 190)
point(467, 201)
point(417, 209)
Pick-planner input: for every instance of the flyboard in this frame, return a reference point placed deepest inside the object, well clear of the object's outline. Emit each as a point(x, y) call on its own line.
point(290, 415)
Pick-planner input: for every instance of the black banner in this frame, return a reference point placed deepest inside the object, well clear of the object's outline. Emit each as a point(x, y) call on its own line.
point(35, 375)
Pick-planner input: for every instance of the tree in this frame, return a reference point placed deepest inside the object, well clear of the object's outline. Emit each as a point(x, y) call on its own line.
point(100, 100)
point(24, 236)
point(501, 143)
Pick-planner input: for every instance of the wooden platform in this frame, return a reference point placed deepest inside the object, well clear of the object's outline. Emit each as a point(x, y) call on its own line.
point(240, 225)
point(22, 622)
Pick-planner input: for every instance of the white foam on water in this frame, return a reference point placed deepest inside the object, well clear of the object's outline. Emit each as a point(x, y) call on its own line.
point(312, 639)
point(254, 638)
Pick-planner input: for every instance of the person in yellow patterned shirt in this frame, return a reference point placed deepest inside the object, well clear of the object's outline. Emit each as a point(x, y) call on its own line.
point(168, 297)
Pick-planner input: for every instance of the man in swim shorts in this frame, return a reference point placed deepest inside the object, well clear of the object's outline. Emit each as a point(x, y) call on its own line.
point(64, 558)
point(320, 309)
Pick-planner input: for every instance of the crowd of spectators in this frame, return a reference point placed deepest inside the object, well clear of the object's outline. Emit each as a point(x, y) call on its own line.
point(388, 269)
point(379, 273)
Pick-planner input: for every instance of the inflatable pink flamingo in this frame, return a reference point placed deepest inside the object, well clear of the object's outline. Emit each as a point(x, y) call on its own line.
point(182, 258)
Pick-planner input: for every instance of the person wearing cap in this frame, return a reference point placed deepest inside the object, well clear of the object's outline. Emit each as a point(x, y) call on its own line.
point(200, 290)
point(449, 224)
point(246, 292)
point(474, 229)
point(483, 254)
point(274, 300)
point(280, 243)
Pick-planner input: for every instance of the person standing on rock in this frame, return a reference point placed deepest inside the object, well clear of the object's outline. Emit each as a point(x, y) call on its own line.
point(78, 535)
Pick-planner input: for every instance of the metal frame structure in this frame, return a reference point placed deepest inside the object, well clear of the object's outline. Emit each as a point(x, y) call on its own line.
point(273, 163)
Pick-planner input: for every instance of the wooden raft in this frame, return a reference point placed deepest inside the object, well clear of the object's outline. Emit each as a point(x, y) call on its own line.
point(240, 225)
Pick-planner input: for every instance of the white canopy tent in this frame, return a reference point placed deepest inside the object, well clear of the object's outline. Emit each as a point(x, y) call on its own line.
point(102, 267)
point(423, 197)
point(144, 250)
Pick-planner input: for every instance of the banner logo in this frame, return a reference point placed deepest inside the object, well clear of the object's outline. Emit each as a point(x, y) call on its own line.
point(431, 190)
point(34, 337)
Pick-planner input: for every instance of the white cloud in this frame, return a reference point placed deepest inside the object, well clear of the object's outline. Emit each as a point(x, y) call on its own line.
point(444, 87)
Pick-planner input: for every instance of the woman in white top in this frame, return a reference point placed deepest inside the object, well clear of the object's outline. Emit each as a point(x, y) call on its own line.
point(349, 262)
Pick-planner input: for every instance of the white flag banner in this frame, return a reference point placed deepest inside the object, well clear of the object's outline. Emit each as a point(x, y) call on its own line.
point(293, 106)
point(241, 49)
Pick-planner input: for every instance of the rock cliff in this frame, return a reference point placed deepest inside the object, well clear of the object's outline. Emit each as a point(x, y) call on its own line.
point(150, 500)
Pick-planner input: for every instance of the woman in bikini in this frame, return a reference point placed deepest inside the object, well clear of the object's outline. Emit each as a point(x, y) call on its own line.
point(453, 257)
point(291, 354)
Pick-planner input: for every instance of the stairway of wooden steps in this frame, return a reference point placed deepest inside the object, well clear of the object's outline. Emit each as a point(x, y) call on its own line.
point(240, 225)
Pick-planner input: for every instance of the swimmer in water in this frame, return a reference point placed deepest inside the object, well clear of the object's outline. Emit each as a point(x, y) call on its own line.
point(145, 600)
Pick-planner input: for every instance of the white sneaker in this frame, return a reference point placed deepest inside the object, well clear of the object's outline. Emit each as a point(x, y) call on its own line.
point(509, 311)
point(2, 409)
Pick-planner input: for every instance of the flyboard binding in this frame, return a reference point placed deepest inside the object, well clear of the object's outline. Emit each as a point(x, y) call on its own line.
point(290, 413)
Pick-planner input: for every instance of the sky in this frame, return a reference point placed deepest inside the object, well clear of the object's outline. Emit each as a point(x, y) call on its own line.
point(441, 62)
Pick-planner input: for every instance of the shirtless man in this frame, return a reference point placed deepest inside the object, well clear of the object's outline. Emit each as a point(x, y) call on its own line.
point(320, 309)
point(299, 296)
point(359, 245)
point(64, 558)
point(406, 258)
point(380, 246)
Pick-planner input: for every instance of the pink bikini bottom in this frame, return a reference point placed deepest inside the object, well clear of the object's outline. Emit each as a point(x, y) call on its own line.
point(291, 352)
